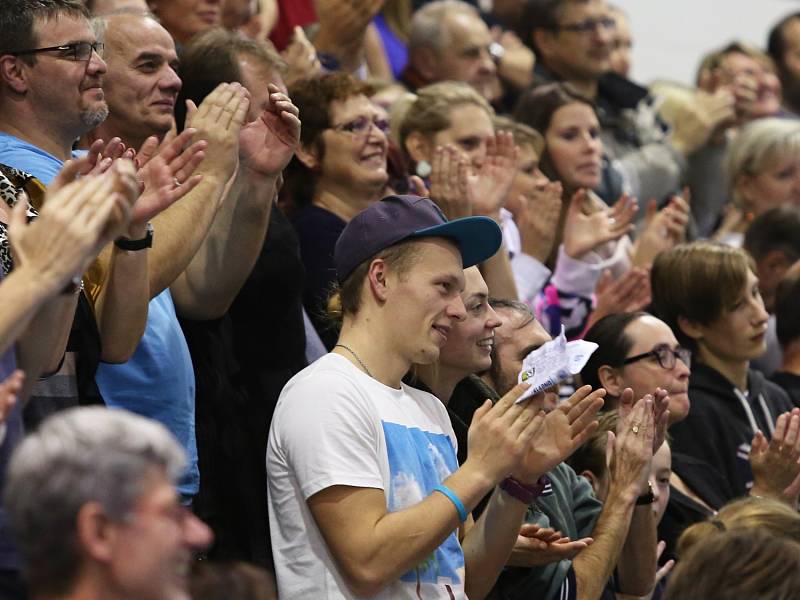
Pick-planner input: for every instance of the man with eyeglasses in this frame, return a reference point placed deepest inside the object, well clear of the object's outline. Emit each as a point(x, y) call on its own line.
point(573, 41)
point(616, 537)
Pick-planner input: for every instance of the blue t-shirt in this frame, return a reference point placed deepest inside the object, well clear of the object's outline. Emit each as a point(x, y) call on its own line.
point(158, 382)
point(21, 155)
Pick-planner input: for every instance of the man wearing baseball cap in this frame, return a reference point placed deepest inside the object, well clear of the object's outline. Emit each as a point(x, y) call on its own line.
point(366, 497)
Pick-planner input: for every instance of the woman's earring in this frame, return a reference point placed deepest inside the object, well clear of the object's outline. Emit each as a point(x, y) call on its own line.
point(423, 168)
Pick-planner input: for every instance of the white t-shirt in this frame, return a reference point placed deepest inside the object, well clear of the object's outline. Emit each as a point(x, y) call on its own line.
point(335, 425)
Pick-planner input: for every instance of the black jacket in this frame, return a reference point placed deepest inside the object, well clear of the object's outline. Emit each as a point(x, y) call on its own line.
point(722, 421)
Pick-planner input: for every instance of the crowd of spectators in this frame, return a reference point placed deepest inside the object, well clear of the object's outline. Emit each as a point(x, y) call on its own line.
point(271, 269)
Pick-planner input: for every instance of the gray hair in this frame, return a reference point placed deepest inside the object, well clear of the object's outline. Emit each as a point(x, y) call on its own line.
point(515, 305)
point(80, 455)
point(758, 144)
point(428, 23)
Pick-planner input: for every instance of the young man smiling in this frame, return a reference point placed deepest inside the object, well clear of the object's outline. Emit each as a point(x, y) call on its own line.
point(366, 496)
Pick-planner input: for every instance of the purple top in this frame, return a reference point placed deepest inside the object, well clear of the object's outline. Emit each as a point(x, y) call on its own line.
point(395, 49)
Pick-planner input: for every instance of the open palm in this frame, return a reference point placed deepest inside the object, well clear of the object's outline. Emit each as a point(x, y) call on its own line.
point(562, 432)
point(267, 144)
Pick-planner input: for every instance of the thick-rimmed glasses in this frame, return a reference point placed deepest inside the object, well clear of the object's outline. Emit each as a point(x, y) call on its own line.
point(665, 356)
point(77, 51)
point(588, 25)
point(361, 125)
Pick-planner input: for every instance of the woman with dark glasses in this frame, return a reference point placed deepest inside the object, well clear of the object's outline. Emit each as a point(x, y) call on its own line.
point(639, 351)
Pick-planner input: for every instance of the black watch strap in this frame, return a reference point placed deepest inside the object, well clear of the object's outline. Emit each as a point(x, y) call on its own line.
point(134, 245)
point(647, 498)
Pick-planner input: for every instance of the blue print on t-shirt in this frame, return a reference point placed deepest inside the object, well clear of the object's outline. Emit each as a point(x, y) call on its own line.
point(418, 462)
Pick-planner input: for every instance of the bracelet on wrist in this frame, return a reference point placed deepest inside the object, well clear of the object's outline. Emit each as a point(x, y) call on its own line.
point(647, 498)
point(451, 495)
point(522, 492)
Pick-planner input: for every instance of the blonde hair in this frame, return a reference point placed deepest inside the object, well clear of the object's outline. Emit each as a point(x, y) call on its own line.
point(523, 134)
point(429, 112)
point(750, 512)
point(759, 144)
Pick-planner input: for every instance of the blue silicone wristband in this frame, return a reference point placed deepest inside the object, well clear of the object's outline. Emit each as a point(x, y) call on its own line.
point(451, 495)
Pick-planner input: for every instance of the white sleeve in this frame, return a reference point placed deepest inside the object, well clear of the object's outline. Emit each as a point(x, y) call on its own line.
point(329, 435)
point(530, 276)
point(579, 276)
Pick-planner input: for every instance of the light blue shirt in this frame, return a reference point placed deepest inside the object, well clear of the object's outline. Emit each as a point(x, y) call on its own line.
point(158, 380)
point(21, 155)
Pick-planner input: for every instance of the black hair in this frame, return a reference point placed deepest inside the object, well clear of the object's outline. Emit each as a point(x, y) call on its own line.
point(776, 229)
point(17, 18)
point(614, 345)
point(776, 42)
point(787, 299)
point(539, 14)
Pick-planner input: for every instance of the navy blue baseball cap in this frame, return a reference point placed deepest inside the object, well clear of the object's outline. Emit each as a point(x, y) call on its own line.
point(397, 218)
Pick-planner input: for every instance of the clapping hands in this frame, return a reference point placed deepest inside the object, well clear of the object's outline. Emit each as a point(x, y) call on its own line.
point(776, 463)
point(587, 226)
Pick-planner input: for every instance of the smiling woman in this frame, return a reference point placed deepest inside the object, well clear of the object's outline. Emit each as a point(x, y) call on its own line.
point(339, 170)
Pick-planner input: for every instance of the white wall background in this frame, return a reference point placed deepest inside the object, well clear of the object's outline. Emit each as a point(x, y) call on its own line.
point(670, 36)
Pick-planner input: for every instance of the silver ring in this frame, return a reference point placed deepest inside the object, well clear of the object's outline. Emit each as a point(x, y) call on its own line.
point(176, 182)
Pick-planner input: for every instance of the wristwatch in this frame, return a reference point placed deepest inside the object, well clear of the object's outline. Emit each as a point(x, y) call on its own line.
point(524, 493)
point(134, 245)
point(647, 498)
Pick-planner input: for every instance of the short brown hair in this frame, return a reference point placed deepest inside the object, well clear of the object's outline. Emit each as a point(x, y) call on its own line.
point(17, 20)
point(738, 564)
point(212, 58)
point(698, 281)
point(314, 97)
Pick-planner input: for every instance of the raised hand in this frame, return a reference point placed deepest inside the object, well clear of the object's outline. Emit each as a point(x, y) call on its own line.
point(663, 230)
point(628, 293)
point(218, 121)
point(563, 431)
point(449, 170)
point(267, 144)
point(9, 390)
point(695, 122)
point(500, 435)
point(629, 463)
point(74, 224)
point(537, 546)
point(660, 413)
point(489, 184)
point(776, 463)
point(538, 221)
point(166, 172)
point(342, 23)
point(301, 57)
point(101, 156)
point(586, 228)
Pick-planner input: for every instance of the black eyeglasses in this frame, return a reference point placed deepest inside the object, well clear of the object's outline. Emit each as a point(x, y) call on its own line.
point(362, 125)
point(77, 51)
point(665, 356)
point(588, 25)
